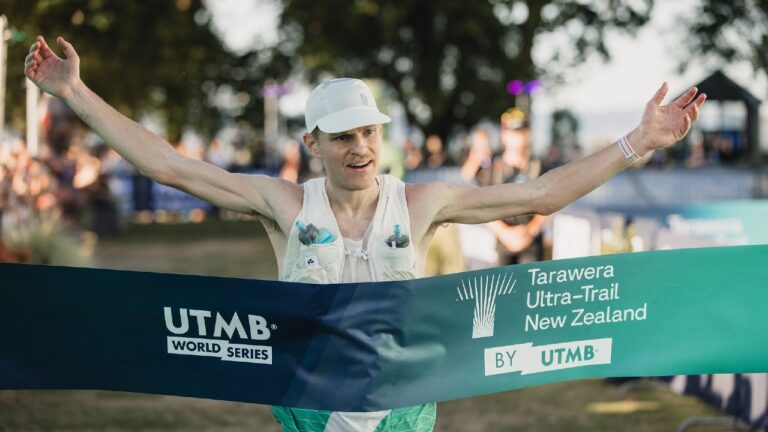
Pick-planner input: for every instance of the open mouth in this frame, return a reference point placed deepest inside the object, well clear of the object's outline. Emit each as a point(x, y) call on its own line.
point(361, 165)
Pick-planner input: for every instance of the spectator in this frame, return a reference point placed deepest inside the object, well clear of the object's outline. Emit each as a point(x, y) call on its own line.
point(435, 152)
point(104, 219)
point(413, 155)
point(27, 197)
point(697, 156)
point(554, 158)
point(292, 161)
point(220, 153)
point(519, 239)
point(477, 166)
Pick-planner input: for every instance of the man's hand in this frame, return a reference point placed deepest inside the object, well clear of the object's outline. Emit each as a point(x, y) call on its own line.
point(662, 126)
point(50, 72)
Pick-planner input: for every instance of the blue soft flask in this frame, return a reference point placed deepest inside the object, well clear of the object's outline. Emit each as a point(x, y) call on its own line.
point(310, 234)
point(397, 239)
point(324, 235)
point(307, 234)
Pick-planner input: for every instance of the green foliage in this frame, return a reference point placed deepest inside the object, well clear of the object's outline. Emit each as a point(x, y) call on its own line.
point(733, 30)
point(449, 61)
point(141, 57)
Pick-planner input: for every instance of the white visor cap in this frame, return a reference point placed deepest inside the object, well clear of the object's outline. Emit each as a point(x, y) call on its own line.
point(340, 105)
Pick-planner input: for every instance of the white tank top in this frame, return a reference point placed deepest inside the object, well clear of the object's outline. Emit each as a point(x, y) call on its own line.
point(356, 268)
point(345, 260)
point(328, 263)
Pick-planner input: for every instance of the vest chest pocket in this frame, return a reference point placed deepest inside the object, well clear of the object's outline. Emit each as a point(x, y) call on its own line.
point(395, 263)
point(318, 263)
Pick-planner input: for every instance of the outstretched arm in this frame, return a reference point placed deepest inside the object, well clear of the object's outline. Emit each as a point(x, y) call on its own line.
point(661, 126)
point(148, 152)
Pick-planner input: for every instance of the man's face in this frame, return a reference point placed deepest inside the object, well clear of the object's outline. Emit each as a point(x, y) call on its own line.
point(351, 158)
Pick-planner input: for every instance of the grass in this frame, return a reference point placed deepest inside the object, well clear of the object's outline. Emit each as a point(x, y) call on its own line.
point(241, 249)
point(233, 249)
point(571, 406)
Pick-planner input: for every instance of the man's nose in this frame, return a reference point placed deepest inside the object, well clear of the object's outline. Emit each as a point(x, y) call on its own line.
point(359, 144)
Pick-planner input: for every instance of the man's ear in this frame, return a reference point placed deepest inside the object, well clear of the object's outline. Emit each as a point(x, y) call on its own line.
point(312, 145)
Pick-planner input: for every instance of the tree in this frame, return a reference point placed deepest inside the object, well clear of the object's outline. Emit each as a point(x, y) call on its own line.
point(733, 30)
point(162, 58)
point(449, 61)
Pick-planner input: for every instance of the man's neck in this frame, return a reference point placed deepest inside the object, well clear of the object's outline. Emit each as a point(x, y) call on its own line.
point(352, 203)
point(353, 210)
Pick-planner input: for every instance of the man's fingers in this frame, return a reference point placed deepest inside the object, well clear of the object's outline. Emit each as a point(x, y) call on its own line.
point(701, 99)
point(686, 98)
point(698, 102)
point(30, 66)
point(660, 94)
point(45, 51)
point(69, 50)
point(33, 47)
point(693, 109)
point(30, 62)
point(693, 114)
point(685, 129)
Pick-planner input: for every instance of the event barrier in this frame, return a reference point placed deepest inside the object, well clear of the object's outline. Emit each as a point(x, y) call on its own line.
point(742, 396)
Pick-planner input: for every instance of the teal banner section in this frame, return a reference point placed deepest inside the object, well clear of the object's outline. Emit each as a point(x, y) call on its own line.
point(374, 346)
point(724, 222)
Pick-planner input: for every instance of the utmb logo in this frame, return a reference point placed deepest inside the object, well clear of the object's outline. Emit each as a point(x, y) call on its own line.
point(528, 359)
point(257, 325)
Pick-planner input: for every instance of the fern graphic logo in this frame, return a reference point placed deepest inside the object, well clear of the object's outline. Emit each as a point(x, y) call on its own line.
point(484, 290)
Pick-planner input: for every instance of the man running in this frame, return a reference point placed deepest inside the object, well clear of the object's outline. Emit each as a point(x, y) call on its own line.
point(352, 225)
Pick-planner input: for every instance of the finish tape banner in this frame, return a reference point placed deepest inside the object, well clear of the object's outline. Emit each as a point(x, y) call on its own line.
point(375, 346)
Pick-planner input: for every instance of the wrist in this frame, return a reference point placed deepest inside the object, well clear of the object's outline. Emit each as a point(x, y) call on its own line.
point(76, 88)
point(639, 141)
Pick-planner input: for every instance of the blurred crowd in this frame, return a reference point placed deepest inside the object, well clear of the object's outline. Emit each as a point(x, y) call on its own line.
point(27, 190)
point(76, 180)
point(64, 188)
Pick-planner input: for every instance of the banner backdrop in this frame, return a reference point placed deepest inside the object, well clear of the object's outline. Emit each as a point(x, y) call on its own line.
point(374, 346)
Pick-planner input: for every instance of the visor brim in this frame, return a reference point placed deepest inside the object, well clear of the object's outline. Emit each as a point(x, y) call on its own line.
point(352, 118)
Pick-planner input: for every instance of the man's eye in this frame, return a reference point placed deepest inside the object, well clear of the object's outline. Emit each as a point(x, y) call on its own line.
point(341, 138)
point(370, 131)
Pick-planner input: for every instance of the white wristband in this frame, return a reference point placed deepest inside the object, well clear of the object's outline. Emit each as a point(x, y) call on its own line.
point(627, 149)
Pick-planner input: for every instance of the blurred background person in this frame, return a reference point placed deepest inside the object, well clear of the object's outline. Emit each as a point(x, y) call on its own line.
point(477, 165)
point(413, 156)
point(519, 239)
point(220, 153)
point(291, 161)
point(102, 206)
point(436, 156)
